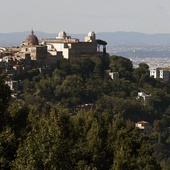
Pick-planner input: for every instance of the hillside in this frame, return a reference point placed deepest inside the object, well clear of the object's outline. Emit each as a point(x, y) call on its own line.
point(78, 117)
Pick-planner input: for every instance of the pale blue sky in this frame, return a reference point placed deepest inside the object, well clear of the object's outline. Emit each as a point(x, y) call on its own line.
point(82, 16)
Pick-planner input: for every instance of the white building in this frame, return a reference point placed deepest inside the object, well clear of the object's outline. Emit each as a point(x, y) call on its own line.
point(49, 51)
point(154, 72)
point(12, 84)
point(113, 75)
point(71, 47)
point(163, 73)
point(141, 124)
point(144, 97)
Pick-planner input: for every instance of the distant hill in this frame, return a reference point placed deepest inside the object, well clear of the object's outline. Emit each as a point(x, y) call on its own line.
point(16, 38)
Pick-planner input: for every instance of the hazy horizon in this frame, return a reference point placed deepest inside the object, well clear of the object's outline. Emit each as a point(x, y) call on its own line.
point(79, 17)
point(83, 33)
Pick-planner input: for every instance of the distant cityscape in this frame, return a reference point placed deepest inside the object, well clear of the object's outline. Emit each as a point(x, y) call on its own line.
point(154, 55)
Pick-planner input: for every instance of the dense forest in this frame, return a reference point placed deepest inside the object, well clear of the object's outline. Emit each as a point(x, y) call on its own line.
point(78, 118)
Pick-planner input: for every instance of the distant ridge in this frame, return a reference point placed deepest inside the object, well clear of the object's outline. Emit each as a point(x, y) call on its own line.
point(134, 37)
point(16, 38)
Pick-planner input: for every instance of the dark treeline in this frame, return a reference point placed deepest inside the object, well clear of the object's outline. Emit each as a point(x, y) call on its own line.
point(77, 117)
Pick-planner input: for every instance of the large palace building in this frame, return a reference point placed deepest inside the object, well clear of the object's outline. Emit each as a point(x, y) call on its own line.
point(48, 51)
point(71, 47)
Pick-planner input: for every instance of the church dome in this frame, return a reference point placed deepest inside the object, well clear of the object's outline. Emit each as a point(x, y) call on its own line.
point(31, 39)
point(92, 34)
point(62, 34)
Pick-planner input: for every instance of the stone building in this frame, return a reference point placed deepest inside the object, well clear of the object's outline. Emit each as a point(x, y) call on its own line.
point(71, 47)
point(47, 51)
point(163, 73)
point(38, 53)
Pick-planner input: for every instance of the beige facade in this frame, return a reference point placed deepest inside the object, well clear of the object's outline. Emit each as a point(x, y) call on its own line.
point(163, 73)
point(36, 52)
point(48, 51)
point(71, 47)
point(39, 55)
point(31, 47)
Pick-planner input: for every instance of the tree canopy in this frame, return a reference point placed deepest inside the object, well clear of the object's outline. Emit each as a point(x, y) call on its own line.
point(78, 117)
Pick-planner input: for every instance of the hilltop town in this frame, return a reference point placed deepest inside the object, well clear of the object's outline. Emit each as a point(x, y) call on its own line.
point(44, 53)
point(68, 104)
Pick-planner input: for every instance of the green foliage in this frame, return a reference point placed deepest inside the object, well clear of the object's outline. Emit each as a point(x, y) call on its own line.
point(90, 140)
point(122, 65)
point(46, 145)
point(141, 74)
point(52, 127)
point(131, 152)
point(7, 147)
point(5, 95)
point(71, 89)
point(13, 132)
